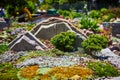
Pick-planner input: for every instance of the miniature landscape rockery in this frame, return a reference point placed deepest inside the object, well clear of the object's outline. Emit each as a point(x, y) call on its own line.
point(72, 45)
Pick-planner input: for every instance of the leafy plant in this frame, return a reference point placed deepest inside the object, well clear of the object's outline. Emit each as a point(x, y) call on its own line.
point(87, 23)
point(103, 10)
point(103, 69)
point(95, 42)
point(64, 41)
point(107, 17)
point(69, 14)
point(94, 14)
point(77, 15)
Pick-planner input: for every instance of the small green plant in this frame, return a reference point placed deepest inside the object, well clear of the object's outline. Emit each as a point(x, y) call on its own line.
point(64, 41)
point(87, 23)
point(3, 48)
point(108, 17)
point(95, 42)
point(94, 14)
point(103, 69)
point(103, 10)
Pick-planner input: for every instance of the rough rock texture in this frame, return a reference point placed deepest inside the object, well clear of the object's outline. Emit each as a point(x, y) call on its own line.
point(26, 41)
point(109, 56)
point(52, 26)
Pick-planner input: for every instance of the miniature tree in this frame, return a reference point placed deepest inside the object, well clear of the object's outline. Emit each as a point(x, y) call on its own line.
point(95, 42)
point(64, 41)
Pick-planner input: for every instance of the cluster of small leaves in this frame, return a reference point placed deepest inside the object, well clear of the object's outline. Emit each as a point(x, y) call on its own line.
point(95, 42)
point(64, 41)
point(103, 69)
point(87, 23)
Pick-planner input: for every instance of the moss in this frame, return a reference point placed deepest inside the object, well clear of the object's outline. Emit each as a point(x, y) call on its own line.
point(68, 72)
point(29, 72)
point(8, 72)
point(103, 69)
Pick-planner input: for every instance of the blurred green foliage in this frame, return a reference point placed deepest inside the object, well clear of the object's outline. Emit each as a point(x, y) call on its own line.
point(8, 72)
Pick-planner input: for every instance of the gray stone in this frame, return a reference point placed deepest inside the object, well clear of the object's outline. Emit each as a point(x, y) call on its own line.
point(26, 41)
point(109, 56)
point(53, 26)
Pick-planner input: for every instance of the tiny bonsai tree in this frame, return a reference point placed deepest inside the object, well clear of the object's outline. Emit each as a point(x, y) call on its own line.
point(95, 42)
point(64, 41)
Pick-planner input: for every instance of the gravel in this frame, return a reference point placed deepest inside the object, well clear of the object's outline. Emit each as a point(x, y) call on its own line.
point(10, 56)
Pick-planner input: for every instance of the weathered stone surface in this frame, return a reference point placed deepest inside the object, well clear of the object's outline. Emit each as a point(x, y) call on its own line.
point(26, 41)
point(109, 56)
point(52, 26)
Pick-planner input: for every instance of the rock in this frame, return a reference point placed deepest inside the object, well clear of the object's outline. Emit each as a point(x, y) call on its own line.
point(109, 56)
point(26, 41)
point(47, 29)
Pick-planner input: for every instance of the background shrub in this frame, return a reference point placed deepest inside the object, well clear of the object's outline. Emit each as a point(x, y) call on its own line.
point(87, 23)
point(95, 14)
point(64, 41)
point(108, 17)
point(115, 11)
